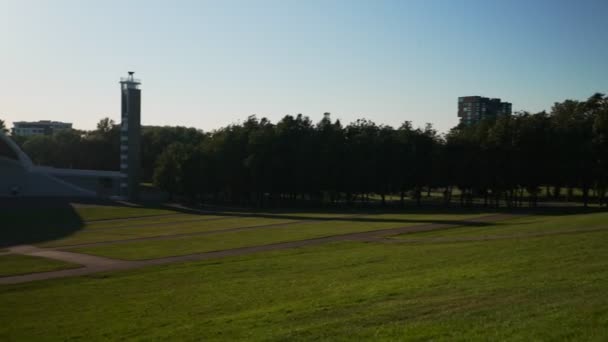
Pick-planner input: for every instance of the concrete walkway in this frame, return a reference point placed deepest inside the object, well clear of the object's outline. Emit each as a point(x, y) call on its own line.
point(93, 264)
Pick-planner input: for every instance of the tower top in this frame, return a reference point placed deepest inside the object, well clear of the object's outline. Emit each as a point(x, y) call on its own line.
point(130, 82)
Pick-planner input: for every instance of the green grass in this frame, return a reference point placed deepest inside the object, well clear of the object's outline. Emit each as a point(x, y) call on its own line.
point(550, 288)
point(188, 245)
point(34, 225)
point(192, 244)
point(529, 288)
point(135, 221)
point(82, 213)
point(176, 223)
point(123, 232)
point(112, 212)
point(13, 264)
point(530, 224)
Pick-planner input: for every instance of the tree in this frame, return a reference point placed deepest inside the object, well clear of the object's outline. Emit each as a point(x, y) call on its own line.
point(598, 106)
point(361, 159)
point(170, 172)
point(42, 149)
point(105, 125)
point(154, 140)
point(532, 143)
point(572, 127)
point(330, 163)
point(3, 128)
point(260, 159)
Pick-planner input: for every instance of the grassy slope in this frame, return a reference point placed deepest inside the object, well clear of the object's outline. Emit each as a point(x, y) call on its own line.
point(92, 234)
point(521, 226)
point(13, 264)
point(30, 226)
point(188, 245)
point(187, 223)
point(109, 212)
point(550, 288)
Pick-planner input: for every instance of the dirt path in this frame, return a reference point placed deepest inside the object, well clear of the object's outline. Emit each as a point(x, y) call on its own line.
point(94, 264)
point(75, 258)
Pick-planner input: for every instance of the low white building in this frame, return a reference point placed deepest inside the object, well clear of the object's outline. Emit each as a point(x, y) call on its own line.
point(43, 127)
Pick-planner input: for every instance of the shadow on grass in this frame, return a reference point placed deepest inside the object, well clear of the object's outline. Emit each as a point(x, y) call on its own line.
point(35, 220)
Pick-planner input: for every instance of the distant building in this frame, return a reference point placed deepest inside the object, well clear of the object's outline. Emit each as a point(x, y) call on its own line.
point(130, 133)
point(43, 127)
point(473, 109)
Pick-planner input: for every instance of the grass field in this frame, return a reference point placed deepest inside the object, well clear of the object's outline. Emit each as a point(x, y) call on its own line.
point(92, 233)
point(281, 233)
point(529, 224)
point(13, 264)
point(522, 287)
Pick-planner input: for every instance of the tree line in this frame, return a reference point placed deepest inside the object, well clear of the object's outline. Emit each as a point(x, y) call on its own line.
point(512, 160)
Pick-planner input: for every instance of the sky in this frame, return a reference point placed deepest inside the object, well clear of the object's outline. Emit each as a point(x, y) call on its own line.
point(209, 64)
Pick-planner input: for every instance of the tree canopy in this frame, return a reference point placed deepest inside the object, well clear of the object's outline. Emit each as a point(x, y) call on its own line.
point(511, 160)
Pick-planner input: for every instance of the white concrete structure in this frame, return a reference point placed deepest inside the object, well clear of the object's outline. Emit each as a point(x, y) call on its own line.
point(20, 177)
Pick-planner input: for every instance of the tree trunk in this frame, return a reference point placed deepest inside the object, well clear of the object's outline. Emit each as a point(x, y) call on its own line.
point(462, 197)
point(585, 196)
point(557, 192)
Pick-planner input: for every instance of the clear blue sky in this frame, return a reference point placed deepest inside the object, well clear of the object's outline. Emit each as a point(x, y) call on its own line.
point(211, 63)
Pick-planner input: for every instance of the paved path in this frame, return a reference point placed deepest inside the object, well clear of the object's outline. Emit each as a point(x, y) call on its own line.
point(94, 264)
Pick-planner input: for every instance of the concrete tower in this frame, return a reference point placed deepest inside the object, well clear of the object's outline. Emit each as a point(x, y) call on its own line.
point(130, 133)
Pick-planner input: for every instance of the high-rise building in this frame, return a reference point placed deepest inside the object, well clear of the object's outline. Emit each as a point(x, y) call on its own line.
point(473, 109)
point(130, 133)
point(42, 127)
